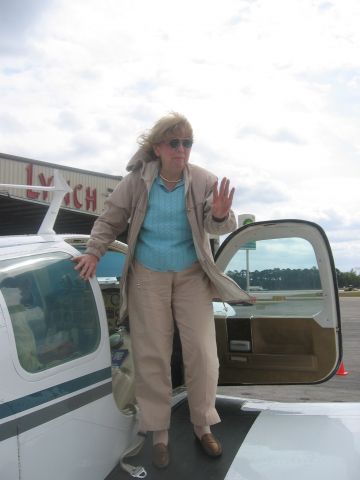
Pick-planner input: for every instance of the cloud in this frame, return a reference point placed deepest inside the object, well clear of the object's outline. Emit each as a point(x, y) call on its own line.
point(259, 192)
point(84, 145)
point(68, 120)
point(281, 135)
point(342, 88)
point(10, 125)
point(271, 89)
point(243, 13)
point(17, 19)
point(325, 6)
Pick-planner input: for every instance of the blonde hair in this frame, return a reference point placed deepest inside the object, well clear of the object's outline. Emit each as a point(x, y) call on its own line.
point(173, 124)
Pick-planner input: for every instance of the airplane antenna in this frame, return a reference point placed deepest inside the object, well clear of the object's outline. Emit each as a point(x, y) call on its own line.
point(59, 189)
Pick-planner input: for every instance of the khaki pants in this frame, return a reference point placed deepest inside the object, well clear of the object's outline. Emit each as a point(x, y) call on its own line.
point(156, 301)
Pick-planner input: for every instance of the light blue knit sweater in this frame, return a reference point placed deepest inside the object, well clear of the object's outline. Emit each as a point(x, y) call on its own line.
point(165, 240)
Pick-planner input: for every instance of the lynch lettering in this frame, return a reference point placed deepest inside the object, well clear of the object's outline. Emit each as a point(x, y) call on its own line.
point(76, 199)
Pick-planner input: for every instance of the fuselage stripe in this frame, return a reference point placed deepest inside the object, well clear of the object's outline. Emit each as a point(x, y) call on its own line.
point(34, 419)
point(52, 393)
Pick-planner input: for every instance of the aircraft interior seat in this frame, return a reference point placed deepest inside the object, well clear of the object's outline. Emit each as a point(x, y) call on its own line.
point(25, 339)
point(123, 375)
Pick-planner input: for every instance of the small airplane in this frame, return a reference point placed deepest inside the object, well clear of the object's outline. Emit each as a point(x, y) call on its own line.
point(67, 403)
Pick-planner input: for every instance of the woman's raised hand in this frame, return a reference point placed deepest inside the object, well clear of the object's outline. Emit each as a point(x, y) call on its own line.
point(222, 199)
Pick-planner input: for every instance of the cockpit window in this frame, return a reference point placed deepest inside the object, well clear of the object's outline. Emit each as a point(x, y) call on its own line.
point(52, 310)
point(110, 265)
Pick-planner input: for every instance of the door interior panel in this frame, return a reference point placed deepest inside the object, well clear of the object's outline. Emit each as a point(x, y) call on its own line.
point(273, 350)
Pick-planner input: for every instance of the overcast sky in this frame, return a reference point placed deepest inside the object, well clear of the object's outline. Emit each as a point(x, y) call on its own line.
point(271, 87)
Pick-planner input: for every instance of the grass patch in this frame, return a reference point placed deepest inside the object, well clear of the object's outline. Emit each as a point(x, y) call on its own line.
point(349, 294)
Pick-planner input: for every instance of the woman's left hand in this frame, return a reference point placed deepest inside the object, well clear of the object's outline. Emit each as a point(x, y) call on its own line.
point(222, 199)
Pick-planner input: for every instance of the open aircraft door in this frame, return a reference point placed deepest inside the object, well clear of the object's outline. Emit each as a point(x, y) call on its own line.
point(291, 333)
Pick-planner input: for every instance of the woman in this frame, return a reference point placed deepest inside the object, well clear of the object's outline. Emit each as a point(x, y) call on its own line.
point(169, 275)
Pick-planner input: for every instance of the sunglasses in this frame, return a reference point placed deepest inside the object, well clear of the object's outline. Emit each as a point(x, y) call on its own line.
point(185, 142)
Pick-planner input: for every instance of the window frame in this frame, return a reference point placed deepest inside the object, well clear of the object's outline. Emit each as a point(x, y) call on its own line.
point(97, 295)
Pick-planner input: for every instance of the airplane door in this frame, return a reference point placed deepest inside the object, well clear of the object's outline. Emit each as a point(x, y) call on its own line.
point(9, 453)
point(291, 333)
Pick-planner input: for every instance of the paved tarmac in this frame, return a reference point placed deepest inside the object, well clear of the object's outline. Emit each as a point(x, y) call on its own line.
point(338, 388)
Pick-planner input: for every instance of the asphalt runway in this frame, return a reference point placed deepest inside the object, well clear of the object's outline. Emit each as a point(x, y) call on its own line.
point(340, 388)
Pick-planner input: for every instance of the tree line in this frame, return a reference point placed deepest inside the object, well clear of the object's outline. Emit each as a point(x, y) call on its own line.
point(279, 278)
point(291, 279)
point(344, 279)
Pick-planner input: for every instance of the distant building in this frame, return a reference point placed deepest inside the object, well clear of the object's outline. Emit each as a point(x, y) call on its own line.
point(21, 211)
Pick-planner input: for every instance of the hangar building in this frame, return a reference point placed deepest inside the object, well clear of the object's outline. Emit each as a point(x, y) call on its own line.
point(21, 211)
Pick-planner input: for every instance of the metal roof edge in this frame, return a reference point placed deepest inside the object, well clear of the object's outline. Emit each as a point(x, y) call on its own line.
point(16, 158)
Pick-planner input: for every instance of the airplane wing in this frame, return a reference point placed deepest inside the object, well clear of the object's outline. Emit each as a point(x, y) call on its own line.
point(264, 441)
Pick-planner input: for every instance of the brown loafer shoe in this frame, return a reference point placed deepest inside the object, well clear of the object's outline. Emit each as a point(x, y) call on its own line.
point(160, 455)
point(210, 445)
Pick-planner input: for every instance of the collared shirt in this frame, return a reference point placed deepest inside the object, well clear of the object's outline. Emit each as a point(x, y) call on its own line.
point(165, 240)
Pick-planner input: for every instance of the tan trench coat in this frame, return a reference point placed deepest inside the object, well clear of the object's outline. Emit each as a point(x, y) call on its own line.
point(128, 204)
